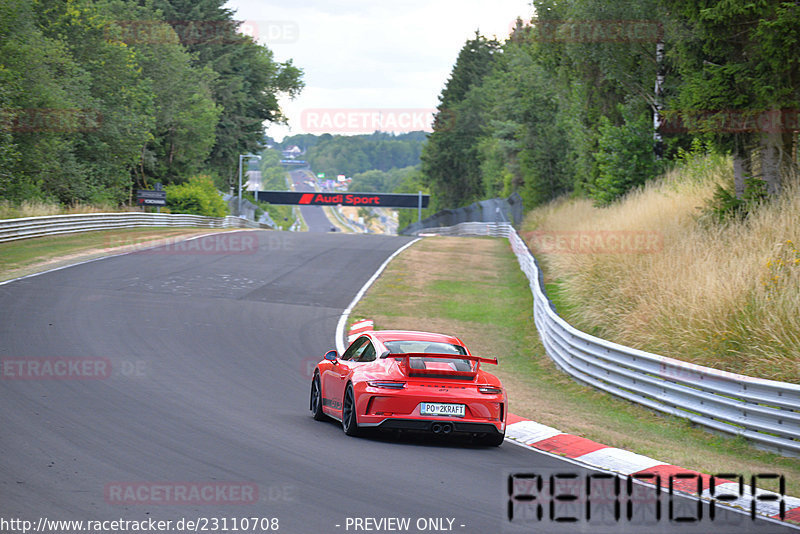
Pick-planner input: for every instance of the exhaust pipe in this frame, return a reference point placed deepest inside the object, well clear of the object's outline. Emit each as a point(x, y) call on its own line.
point(442, 428)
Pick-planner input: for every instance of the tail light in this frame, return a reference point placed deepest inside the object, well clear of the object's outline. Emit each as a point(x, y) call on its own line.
point(386, 384)
point(490, 390)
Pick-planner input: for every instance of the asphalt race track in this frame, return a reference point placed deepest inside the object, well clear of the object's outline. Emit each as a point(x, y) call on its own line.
point(209, 355)
point(315, 217)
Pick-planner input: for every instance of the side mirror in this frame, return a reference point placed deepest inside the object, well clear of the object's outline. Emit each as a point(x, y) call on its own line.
point(385, 353)
point(332, 356)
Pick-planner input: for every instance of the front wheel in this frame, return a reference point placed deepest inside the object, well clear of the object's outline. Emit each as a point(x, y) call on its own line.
point(349, 420)
point(316, 399)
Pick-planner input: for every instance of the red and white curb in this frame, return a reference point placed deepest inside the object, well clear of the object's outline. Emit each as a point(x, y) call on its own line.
point(358, 328)
point(585, 451)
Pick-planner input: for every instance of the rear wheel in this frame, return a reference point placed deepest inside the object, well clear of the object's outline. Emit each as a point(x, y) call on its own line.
point(349, 420)
point(493, 439)
point(316, 399)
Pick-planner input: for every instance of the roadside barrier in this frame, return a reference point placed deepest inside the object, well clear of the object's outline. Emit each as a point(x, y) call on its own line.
point(493, 210)
point(766, 412)
point(26, 227)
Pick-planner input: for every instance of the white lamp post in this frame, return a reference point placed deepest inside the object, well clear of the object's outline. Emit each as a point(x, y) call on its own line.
point(241, 157)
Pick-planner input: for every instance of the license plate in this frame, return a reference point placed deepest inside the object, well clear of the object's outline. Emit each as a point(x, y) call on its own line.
point(441, 409)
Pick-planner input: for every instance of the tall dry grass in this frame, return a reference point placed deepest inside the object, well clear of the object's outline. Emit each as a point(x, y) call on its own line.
point(724, 296)
point(37, 208)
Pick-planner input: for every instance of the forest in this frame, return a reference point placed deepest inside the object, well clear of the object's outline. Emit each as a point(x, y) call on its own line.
point(594, 98)
point(377, 163)
point(353, 154)
point(101, 97)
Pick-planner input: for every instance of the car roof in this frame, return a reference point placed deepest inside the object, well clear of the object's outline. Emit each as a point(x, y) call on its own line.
point(410, 335)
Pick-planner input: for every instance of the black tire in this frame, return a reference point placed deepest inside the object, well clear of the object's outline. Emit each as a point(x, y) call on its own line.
point(493, 439)
point(349, 419)
point(316, 399)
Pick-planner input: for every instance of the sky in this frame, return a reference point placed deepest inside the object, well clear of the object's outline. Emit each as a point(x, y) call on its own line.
point(370, 64)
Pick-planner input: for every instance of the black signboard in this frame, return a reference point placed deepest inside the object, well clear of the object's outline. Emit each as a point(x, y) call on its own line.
point(372, 200)
point(147, 197)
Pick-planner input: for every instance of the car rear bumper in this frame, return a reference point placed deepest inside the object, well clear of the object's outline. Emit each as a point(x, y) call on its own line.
point(427, 425)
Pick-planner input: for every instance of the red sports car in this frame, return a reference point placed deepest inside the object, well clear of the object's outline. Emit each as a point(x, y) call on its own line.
point(390, 379)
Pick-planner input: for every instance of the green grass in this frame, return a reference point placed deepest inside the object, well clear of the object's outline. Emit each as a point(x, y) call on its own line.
point(303, 226)
point(492, 313)
point(566, 307)
point(555, 290)
point(282, 215)
point(465, 301)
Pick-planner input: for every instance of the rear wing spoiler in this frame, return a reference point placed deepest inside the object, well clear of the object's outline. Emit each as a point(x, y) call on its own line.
point(480, 359)
point(406, 357)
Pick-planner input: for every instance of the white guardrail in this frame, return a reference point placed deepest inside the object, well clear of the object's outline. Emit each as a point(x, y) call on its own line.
point(22, 228)
point(764, 411)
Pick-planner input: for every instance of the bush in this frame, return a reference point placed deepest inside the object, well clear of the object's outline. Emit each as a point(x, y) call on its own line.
point(625, 157)
point(198, 196)
point(725, 205)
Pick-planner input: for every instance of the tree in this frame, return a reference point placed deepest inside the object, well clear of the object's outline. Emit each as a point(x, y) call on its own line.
point(248, 80)
point(450, 162)
point(198, 196)
point(625, 157)
point(740, 73)
point(353, 154)
point(80, 106)
point(273, 174)
point(522, 149)
point(598, 55)
point(184, 114)
point(116, 89)
point(98, 96)
point(412, 184)
point(377, 181)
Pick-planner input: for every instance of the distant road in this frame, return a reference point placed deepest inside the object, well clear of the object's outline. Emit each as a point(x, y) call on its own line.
point(315, 217)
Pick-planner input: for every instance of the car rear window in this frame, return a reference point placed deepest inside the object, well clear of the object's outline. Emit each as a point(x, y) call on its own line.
point(432, 347)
